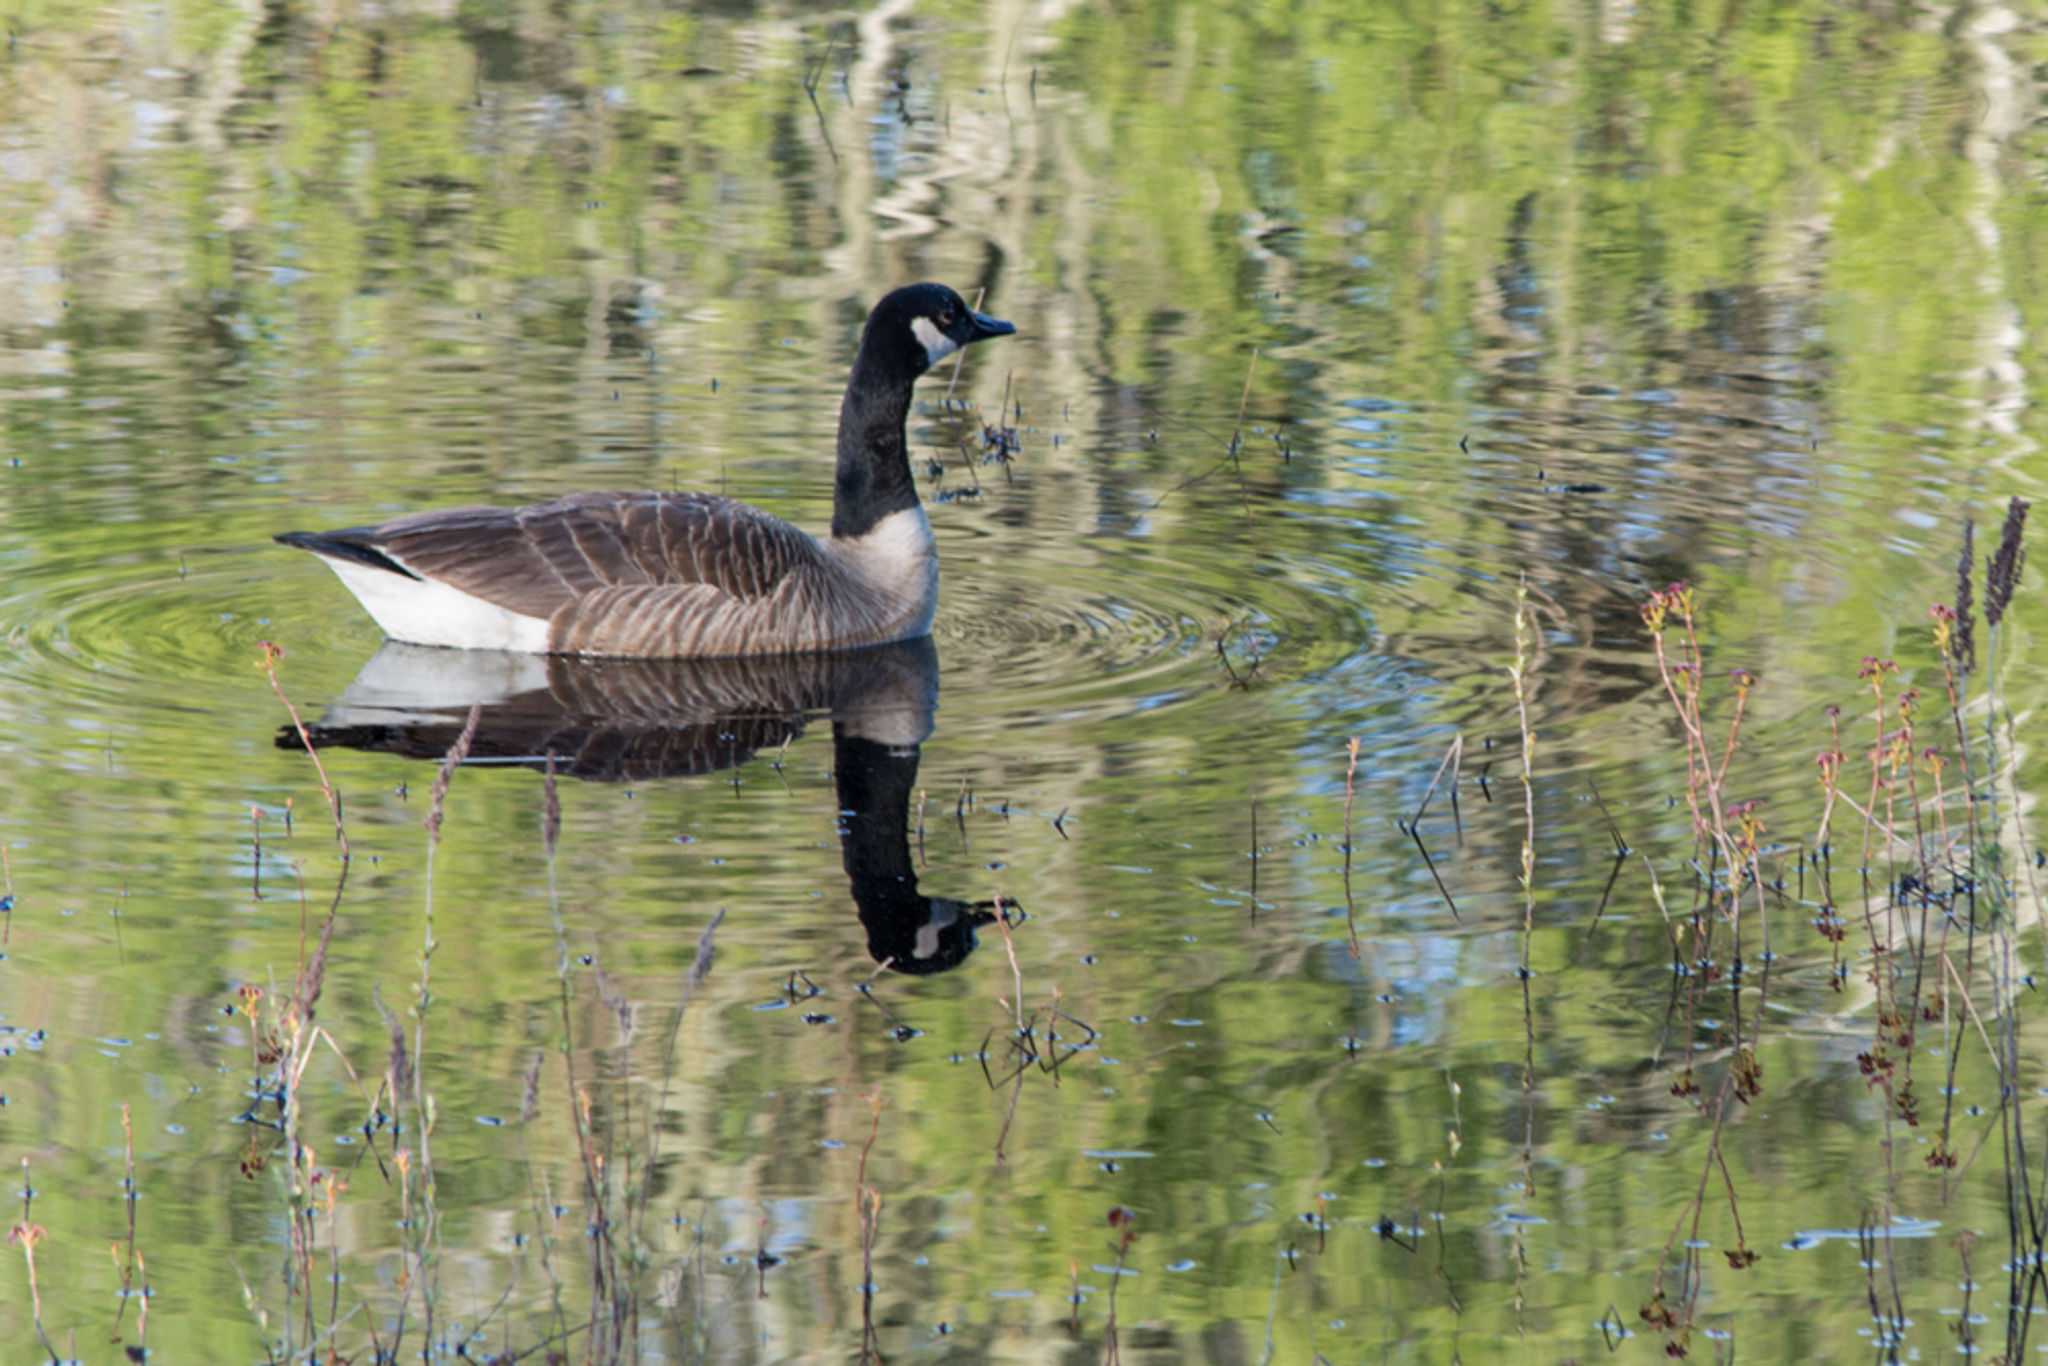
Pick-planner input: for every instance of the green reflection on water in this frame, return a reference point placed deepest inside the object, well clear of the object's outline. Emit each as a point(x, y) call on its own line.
point(1767, 278)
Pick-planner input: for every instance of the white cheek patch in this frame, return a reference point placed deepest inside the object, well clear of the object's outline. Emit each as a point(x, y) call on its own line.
point(937, 345)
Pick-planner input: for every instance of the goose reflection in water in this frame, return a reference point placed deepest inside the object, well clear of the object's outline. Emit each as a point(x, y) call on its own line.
point(619, 720)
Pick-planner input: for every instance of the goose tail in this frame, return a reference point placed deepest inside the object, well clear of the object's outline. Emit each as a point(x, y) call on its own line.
point(354, 544)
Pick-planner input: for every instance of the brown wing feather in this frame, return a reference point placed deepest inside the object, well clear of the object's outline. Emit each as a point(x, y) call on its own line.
point(538, 560)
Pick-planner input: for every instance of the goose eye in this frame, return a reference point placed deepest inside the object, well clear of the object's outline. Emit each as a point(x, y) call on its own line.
point(946, 318)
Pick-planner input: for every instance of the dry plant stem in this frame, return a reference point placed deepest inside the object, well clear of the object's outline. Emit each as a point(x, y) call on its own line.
point(1453, 763)
point(1890, 759)
point(1891, 1182)
point(1449, 761)
point(25, 1235)
point(1891, 1054)
point(1016, 973)
point(960, 357)
point(1125, 1223)
point(615, 1319)
point(1350, 789)
point(1010, 1114)
point(549, 1227)
point(1734, 729)
point(1244, 400)
point(590, 1161)
point(1875, 822)
point(1682, 682)
point(874, 1103)
point(1255, 860)
point(1830, 764)
point(1924, 863)
point(1002, 435)
point(126, 1258)
point(2031, 868)
point(869, 1203)
point(305, 1178)
point(268, 662)
point(1689, 1218)
point(1520, 674)
point(1455, 1138)
point(142, 1304)
point(2026, 1236)
point(1955, 673)
point(1734, 836)
point(1966, 1339)
point(546, 1224)
point(1711, 824)
point(423, 1232)
point(700, 968)
point(1944, 1149)
point(619, 1121)
point(2007, 961)
point(1874, 672)
point(311, 974)
point(1023, 1036)
point(1962, 992)
point(597, 1199)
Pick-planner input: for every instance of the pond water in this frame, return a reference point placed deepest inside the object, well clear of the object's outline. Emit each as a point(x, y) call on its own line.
point(1125, 974)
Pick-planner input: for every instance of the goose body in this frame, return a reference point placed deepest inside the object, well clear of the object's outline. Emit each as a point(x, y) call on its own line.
point(685, 575)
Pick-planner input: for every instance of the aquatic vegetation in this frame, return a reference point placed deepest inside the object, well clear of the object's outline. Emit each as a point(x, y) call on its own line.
point(1310, 854)
point(1931, 864)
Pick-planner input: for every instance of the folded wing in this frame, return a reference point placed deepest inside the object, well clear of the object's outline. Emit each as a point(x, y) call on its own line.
point(540, 560)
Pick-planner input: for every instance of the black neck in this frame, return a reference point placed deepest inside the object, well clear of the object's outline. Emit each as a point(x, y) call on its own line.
point(873, 479)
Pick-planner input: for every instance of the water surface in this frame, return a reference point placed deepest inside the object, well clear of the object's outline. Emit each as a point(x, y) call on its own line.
point(1340, 335)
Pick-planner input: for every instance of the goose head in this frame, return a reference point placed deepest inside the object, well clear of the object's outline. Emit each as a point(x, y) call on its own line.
point(914, 328)
point(910, 330)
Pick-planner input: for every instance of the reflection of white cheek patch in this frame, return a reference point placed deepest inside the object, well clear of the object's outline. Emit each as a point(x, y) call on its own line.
point(943, 914)
point(937, 345)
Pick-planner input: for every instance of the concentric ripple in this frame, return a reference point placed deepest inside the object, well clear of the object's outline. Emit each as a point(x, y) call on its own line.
point(145, 630)
point(1106, 627)
point(1112, 629)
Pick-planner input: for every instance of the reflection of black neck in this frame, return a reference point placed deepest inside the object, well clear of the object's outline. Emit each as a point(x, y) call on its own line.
point(908, 931)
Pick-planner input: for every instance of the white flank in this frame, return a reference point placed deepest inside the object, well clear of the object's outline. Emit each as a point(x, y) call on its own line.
point(937, 345)
point(424, 612)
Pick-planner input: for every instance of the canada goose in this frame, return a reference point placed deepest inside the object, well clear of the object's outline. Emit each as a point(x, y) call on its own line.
point(685, 575)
